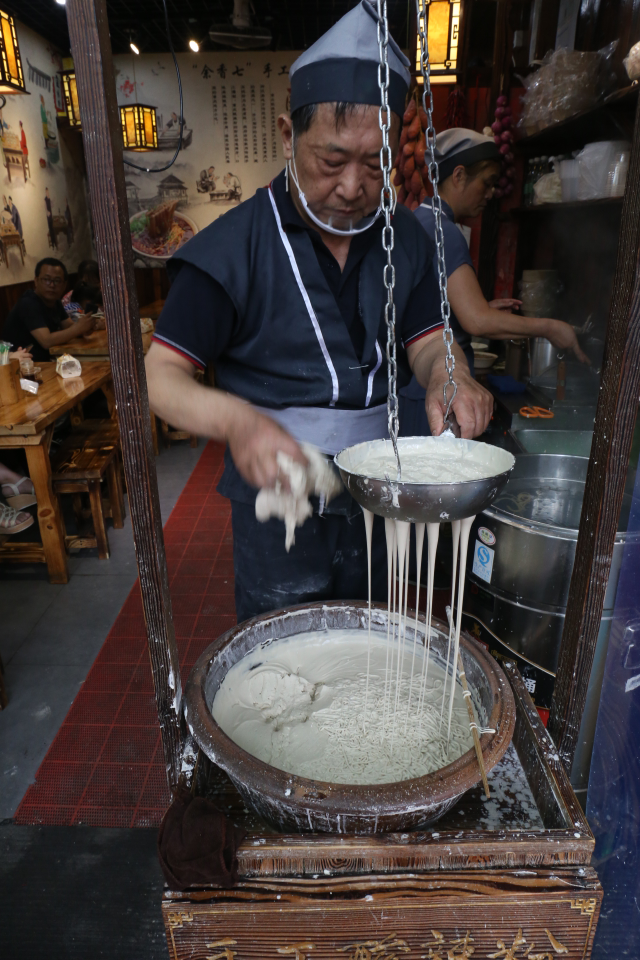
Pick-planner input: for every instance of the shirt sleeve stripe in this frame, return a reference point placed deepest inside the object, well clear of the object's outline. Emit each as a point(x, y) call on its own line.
point(423, 333)
point(191, 357)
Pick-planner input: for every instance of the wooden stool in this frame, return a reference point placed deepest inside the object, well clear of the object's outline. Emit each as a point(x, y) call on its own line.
point(92, 434)
point(169, 434)
point(81, 469)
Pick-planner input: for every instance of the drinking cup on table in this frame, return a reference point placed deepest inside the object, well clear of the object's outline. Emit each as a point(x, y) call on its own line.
point(27, 368)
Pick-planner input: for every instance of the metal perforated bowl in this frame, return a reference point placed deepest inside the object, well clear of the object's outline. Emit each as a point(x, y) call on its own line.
point(298, 804)
point(424, 502)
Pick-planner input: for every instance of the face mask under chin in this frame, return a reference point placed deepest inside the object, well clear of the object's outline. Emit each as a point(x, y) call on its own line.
point(350, 231)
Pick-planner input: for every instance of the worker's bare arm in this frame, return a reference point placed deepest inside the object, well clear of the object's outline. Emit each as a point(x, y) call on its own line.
point(473, 405)
point(180, 400)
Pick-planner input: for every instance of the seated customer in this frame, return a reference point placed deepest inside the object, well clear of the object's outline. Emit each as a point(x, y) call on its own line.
point(89, 274)
point(38, 321)
point(85, 298)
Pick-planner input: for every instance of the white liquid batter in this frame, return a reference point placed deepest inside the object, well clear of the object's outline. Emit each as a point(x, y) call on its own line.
point(427, 460)
point(298, 704)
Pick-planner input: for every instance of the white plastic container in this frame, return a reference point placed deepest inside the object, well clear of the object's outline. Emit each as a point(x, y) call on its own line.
point(569, 171)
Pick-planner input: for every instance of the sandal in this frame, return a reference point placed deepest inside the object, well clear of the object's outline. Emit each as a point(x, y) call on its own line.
point(16, 499)
point(13, 521)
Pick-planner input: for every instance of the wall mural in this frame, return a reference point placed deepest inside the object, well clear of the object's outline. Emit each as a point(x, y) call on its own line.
point(44, 210)
point(231, 143)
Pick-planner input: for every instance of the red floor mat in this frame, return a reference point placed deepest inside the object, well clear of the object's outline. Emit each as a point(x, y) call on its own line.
point(105, 767)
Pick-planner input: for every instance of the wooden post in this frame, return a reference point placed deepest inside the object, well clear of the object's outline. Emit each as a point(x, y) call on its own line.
point(606, 475)
point(102, 134)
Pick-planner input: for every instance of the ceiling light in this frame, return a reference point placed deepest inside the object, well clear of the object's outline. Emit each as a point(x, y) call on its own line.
point(133, 47)
point(194, 45)
point(61, 2)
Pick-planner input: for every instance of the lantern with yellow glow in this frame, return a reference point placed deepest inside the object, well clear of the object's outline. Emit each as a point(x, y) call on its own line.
point(70, 92)
point(443, 26)
point(11, 73)
point(139, 127)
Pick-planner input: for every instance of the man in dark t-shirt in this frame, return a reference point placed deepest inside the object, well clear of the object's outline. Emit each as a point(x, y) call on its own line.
point(39, 320)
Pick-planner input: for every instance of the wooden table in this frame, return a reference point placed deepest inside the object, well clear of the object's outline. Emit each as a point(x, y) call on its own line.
point(94, 347)
point(153, 309)
point(29, 424)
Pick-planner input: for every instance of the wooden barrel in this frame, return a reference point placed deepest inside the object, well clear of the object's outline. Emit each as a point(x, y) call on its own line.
point(296, 804)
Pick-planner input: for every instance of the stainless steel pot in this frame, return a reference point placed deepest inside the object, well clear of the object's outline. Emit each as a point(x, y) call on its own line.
point(543, 356)
point(529, 535)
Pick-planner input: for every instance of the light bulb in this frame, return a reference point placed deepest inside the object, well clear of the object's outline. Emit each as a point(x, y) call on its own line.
point(134, 48)
point(194, 45)
point(62, 3)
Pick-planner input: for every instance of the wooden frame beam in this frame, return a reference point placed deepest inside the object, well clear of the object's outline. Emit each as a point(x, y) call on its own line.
point(606, 475)
point(102, 135)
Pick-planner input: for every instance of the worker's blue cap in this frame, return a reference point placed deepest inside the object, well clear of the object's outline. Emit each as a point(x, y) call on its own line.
point(342, 66)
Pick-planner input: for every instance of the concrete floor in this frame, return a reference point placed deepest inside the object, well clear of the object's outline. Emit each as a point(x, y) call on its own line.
point(51, 634)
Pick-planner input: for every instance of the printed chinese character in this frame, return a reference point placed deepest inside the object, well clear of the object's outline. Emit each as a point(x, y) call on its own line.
point(238, 72)
point(206, 72)
point(509, 953)
point(267, 70)
point(391, 948)
point(226, 953)
point(284, 71)
point(436, 947)
point(295, 950)
point(221, 71)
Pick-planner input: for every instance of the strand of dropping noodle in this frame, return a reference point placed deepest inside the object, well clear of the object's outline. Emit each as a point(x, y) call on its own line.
point(465, 529)
point(455, 536)
point(420, 754)
point(419, 545)
point(389, 532)
point(433, 534)
point(368, 526)
point(403, 529)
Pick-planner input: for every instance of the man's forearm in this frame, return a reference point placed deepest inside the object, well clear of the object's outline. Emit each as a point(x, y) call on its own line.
point(188, 405)
point(435, 352)
point(498, 325)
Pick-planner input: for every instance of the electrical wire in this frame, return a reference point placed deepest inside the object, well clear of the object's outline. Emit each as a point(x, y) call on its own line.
point(137, 166)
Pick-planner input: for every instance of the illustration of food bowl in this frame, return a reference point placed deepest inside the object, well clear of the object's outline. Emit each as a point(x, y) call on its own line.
point(158, 233)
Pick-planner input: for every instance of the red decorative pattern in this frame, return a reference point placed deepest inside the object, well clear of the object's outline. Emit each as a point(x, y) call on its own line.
point(105, 767)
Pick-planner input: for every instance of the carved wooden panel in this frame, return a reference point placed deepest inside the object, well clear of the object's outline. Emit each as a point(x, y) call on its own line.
point(502, 916)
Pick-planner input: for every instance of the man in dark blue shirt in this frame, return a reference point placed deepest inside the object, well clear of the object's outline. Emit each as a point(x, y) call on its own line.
point(285, 296)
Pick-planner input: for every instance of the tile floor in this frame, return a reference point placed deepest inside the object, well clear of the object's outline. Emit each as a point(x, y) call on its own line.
point(51, 634)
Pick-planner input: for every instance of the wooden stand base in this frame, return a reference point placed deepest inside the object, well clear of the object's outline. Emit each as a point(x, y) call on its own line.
point(454, 890)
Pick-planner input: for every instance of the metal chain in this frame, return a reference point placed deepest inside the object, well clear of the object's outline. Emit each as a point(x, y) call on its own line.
point(387, 203)
point(436, 203)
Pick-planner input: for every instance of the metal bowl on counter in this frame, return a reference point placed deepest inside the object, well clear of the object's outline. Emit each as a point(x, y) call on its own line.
point(297, 804)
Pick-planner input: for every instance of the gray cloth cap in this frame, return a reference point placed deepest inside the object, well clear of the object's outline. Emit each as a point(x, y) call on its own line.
point(460, 146)
point(342, 66)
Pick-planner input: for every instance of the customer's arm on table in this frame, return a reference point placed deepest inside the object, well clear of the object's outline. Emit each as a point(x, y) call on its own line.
point(473, 405)
point(481, 319)
point(48, 338)
point(253, 438)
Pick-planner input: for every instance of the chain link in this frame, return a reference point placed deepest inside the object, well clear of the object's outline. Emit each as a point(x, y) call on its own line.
point(436, 203)
point(387, 203)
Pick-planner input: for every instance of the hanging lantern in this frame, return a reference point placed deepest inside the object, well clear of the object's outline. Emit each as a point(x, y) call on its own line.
point(11, 74)
point(139, 127)
point(70, 91)
point(443, 26)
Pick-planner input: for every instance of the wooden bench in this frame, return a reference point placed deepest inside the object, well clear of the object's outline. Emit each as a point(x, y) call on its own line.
point(79, 469)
